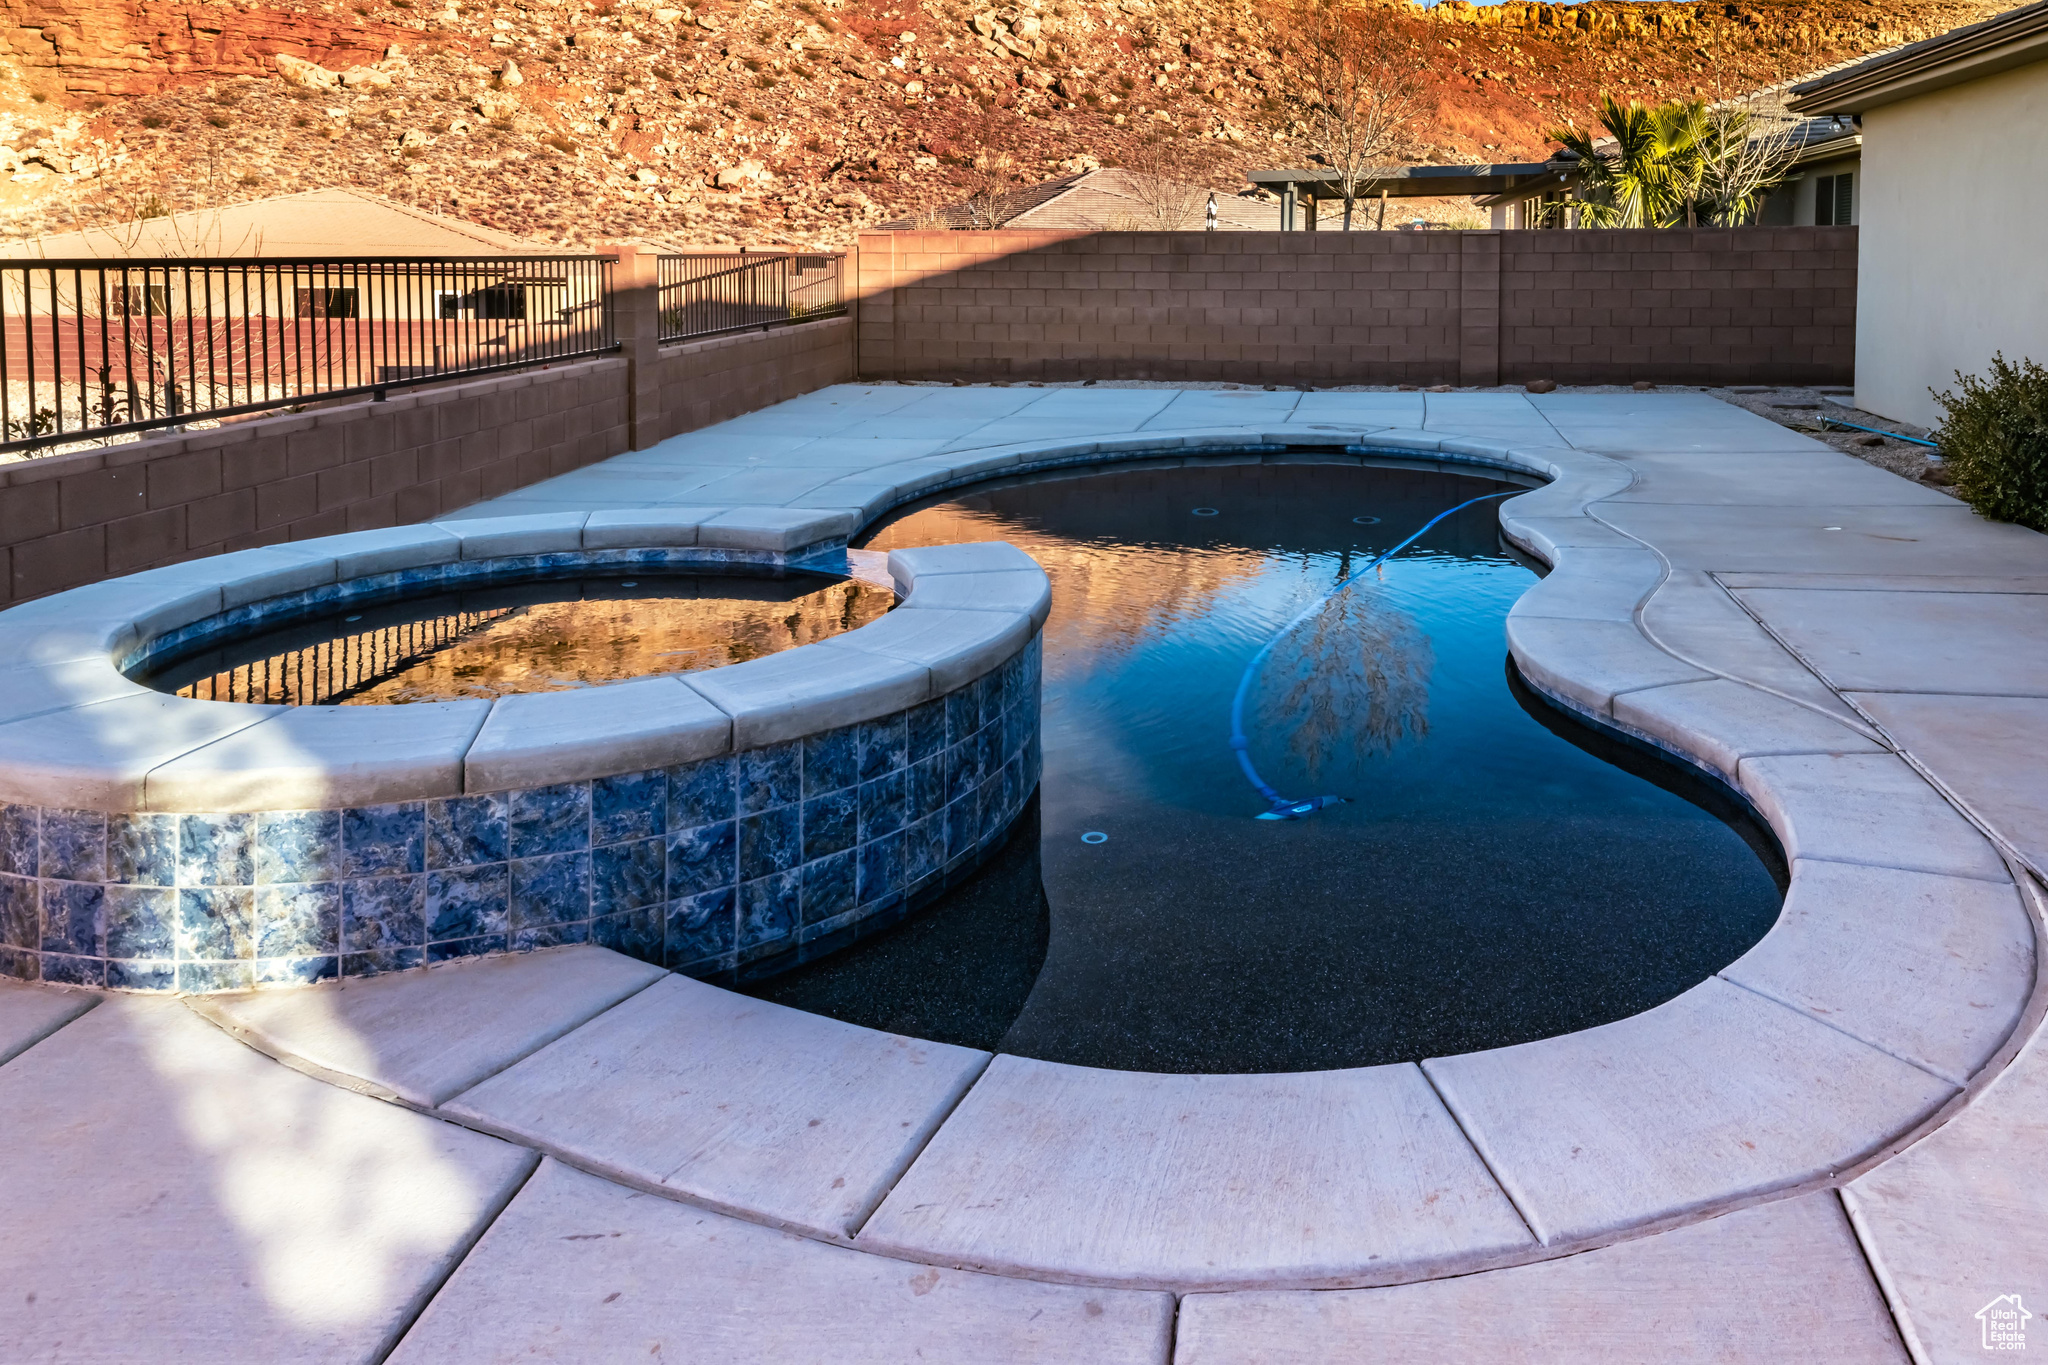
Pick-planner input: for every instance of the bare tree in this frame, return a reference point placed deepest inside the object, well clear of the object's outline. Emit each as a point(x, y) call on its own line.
point(1167, 178)
point(1359, 78)
point(1748, 145)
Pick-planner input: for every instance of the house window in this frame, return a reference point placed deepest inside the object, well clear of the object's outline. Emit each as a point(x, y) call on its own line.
point(1776, 210)
point(501, 301)
point(1834, 200)
point(139, 300)
point(449, 303)
point(327, 303)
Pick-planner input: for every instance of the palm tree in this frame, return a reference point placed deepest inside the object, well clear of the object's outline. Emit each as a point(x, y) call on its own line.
point(1649, 177)
point(1676, 164)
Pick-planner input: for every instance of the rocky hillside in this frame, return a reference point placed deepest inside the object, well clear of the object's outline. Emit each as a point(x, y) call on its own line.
point(785, 121)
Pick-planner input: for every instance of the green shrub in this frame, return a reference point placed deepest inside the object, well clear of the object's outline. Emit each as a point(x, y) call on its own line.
point(1994, 441)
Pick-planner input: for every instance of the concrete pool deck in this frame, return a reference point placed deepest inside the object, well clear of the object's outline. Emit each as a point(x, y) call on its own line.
point(1826, 1150)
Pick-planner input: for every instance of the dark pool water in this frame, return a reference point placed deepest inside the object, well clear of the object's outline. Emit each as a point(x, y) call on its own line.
point(1500, 872)
point(543, 636)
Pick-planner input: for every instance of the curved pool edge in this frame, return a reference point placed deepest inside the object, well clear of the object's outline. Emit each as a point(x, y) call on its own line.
point(726, 824)
point(1744, 1089)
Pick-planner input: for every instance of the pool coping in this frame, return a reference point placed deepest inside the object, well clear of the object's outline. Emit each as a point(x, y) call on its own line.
point(1582, 641)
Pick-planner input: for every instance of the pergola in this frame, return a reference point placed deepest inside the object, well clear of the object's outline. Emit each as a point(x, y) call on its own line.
point(1501, 184)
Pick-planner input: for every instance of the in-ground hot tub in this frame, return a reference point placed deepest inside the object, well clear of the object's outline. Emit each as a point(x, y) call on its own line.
point(727, 822)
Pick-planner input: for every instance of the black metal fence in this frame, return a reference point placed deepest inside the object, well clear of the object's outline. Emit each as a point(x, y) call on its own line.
point(704, 295)
point(94, 348)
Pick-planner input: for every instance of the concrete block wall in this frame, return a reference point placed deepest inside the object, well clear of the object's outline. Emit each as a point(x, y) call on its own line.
point(1245, 306)
point(71, 519)
point(1680, 305)
point(699, 383)
point(1674, 305)
point(80, 517)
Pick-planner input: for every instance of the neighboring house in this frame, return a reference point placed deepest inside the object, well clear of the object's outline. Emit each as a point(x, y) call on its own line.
point(239, 306)
point(1953, 193)
point(1107, 200)
point(313, 228)
point(333, 223)
point(1820, 188)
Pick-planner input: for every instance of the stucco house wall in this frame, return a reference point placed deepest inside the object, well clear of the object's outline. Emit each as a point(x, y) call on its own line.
point(1953, 214)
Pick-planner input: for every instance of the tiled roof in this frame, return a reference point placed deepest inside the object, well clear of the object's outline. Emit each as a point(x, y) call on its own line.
point(1106, 200)
point(314, 223)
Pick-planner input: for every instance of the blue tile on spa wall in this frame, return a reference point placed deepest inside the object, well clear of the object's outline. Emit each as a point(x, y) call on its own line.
point(450, 949)
point(770, 908)
point(552, 935)
point(298, 919)
point(926, 728)
point(633, 806)
point(549, 891)
point(74, 845)
point(62, 969)
point(628, 876)
point(298, 846)
point(142, 850)
point(142, 974)
point(380, 913)
point(295, 971)
point(205, 977)
point(701, 793)
point(701, 927)
point(702, 859)
point(142, 922)
point(882, 805)
point(924, 849)
point(927, 788)
point(769, 777)
point(988, 695)
point(549, 820)
point(464, 831)
point(771, 842)
point(881, 869)
point(636, 933)
point(884, 745)
point(21, 914)
point(831, 761)
point(74, 918)
point(963, 769)
point(383, 841)
point(963, 825)
point(829, 886)
point(831, 823)
point(216, 850)
point(378, 961)
point(215, 923)
point(467, 902)
point(20, 840)
point(963, 716)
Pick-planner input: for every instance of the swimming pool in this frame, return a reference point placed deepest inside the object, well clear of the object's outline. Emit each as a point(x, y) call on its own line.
point(1498, 872)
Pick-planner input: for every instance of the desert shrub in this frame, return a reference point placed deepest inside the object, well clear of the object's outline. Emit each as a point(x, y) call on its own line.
point(1994, 441)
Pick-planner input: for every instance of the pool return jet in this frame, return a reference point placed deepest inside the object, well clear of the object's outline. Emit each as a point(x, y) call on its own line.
point(1280, 807)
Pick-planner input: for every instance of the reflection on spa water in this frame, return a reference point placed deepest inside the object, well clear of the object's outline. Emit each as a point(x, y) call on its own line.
point(1498, 873)
point(544, 636)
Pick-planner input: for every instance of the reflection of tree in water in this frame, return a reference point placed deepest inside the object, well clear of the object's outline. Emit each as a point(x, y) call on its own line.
point(1349, 683)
